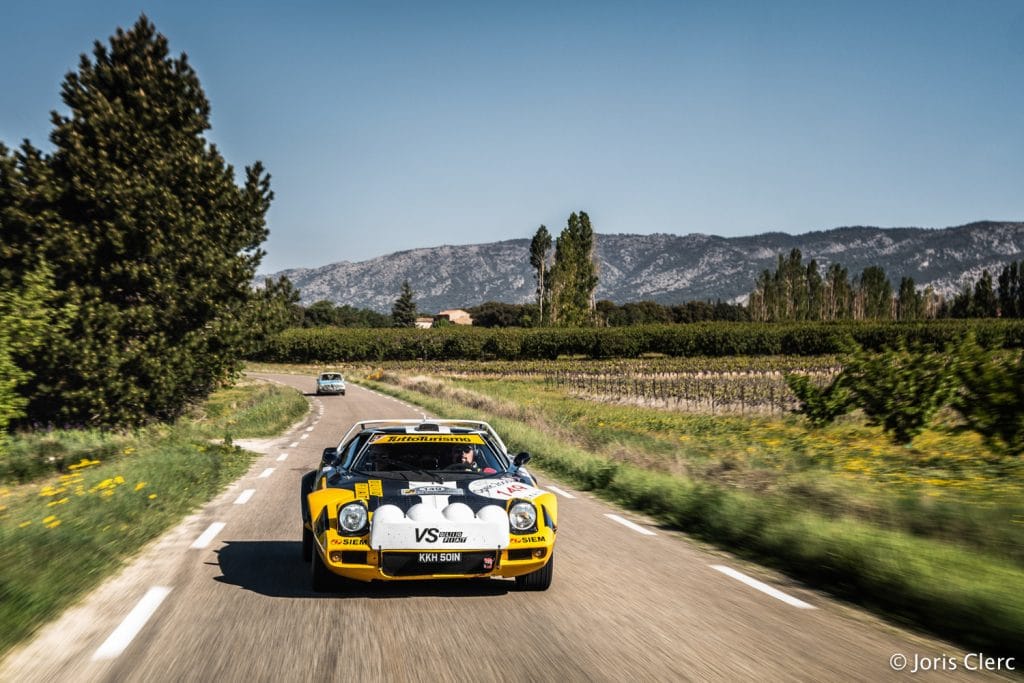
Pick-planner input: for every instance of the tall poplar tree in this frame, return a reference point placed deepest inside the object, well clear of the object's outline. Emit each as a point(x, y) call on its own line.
point(1009, 291)
point(151, 242)
point(540, 248)
point(875, 291)
point(574, 274)
point(985, 304)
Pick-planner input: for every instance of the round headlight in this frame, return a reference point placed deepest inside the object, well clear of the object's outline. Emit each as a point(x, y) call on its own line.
point(351, 518)
point(522, 516)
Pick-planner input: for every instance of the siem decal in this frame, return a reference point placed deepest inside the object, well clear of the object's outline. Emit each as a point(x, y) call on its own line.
point(375, 488)
point(362, 490)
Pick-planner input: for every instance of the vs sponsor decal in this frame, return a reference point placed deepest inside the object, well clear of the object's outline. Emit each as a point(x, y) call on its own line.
point(432, 535)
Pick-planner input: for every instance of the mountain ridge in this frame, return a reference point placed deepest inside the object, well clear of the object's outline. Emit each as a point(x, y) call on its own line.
point(663, 267)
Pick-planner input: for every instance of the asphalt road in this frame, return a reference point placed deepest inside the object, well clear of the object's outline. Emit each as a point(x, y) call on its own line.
point(225, 597)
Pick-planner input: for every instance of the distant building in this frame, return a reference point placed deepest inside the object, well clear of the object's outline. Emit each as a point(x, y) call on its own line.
point(425, 322)
point(456, 316)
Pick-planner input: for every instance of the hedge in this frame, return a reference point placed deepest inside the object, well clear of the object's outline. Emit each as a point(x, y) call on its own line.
point(336, 344)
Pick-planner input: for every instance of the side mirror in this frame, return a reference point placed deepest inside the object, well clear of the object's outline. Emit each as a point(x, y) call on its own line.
point(331, 457)
point(521, 459)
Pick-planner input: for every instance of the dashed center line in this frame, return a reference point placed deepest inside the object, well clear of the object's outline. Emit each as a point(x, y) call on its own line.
point(309, 429)
point(266, 473)
point(244, 497)
point(304, 436)
point(123, 635)
point(293, 444)
point(763, 587)
point(563, 494)
point(626, 523)
point(208, 535)
point(282, 457)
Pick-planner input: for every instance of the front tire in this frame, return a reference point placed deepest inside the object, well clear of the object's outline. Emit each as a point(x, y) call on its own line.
point(307, 544)
point(321, 578)
point(539, 580)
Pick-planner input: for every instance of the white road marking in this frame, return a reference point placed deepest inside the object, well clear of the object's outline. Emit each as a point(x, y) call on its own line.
point(563, 494)
point(244, 497)
point(208, 535)
point(282, 457)
point(293, 444)
point(631, 525)
point(122, 636)
point(304, 436)
point(266, 473)
point(309, 429)
point(763, 587)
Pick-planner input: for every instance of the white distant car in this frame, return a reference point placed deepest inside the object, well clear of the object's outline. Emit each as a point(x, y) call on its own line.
point(330, 383)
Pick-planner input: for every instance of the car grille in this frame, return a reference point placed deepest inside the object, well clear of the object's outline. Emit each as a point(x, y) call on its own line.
point(421, 563)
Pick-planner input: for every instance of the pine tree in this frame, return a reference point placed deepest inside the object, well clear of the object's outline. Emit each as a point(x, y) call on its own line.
point(150, 239)
point(403, 312)
point(540, 247)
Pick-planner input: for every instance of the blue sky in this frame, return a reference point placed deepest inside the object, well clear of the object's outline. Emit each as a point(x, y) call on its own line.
point(389, 126)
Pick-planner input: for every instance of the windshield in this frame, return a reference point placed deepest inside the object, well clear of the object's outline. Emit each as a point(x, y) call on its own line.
point(330, 377)
point(449, 453)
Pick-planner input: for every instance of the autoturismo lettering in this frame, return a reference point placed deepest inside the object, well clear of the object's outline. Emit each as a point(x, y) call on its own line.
point(432, 535)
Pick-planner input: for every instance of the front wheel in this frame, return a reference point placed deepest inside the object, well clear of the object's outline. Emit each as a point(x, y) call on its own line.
point(307, 544)
point(321, 578)
point(539, 580)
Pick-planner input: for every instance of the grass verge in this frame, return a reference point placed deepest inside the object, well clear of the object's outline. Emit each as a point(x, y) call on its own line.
point(948, 590)
point(107, 495)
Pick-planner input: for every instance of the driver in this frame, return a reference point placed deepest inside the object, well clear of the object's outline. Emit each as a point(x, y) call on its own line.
point(464, 454)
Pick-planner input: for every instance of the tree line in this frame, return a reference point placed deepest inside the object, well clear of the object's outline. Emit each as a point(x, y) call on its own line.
point(128, 251)
point(798, 292)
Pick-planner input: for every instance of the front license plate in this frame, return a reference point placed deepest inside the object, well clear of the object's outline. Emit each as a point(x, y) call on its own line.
point(430, 562)
point(439, 558)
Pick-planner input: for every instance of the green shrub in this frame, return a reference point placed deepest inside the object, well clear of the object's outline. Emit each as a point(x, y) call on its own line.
point(821, 405)
point(900, 388)
point(991, 398)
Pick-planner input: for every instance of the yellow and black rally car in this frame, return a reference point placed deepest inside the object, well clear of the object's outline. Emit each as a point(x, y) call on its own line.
point(401, 500)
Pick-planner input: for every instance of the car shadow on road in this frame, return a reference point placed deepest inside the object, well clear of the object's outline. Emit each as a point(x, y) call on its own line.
point(276, 569)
